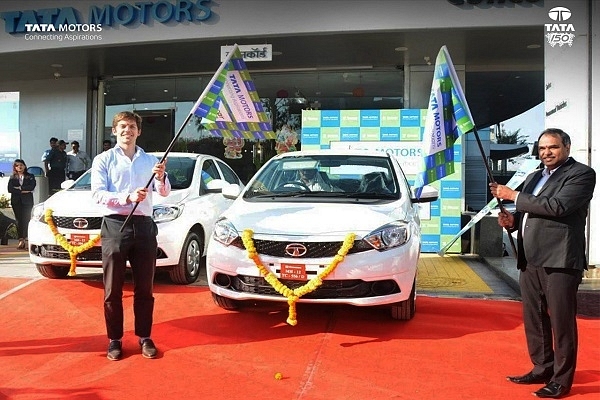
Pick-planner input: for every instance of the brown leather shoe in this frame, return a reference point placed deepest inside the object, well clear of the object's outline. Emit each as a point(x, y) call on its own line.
point(552, 390)
point(148, 348)
point(528, 379)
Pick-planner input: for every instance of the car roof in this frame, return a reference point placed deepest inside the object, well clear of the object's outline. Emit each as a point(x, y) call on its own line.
point(159, 154)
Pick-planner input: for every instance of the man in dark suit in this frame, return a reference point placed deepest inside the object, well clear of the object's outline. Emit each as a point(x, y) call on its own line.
point(551, 216)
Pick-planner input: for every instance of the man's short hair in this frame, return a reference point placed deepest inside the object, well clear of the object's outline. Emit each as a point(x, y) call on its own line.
point(127, 115)
point(75, 142)
point(53, 140)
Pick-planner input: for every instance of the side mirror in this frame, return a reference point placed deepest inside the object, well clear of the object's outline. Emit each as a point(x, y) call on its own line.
point(216, 185)
point(67, 184)
point(428, 194)
point(232, 191)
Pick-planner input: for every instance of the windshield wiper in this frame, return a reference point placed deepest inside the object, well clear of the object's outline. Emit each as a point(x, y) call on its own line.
point(358, 195)
point(263, 195)
point(343, 195)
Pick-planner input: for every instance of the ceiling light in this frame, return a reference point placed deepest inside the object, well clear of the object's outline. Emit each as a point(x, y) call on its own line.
point(160, 59)
point(401, 48)
point(533, 46)
point(277, 53)
point(56, 65)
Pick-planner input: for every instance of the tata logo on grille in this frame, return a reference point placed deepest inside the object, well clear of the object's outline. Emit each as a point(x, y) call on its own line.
point(80, 223)
point(295, 250)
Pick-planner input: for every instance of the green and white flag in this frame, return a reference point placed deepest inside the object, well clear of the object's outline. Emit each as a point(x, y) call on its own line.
point(230, 105)
point(448, 116)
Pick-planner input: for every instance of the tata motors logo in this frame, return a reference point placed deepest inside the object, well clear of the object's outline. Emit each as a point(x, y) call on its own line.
point(559, 14)
point(561, 32)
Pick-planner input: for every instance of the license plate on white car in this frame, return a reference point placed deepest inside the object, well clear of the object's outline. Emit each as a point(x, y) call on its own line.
point(77, 239)
point(296, 272)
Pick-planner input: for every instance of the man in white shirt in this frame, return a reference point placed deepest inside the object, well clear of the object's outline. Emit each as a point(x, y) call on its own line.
point(78, 161)
point(118, 180)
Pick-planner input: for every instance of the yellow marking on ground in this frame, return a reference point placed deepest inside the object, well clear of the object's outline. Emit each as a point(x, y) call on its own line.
point(448, 273)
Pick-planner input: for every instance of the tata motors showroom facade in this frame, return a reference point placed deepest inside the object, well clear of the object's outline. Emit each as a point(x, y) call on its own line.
point(72, 64)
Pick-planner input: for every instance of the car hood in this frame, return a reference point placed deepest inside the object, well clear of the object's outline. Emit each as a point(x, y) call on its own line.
point(176, 196)
point(310, 219)
point(76, 203)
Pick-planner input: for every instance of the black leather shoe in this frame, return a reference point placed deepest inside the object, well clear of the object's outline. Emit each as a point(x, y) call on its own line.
point(148, 348)
point(552, 390)
point(114, 350)
point(528, 379)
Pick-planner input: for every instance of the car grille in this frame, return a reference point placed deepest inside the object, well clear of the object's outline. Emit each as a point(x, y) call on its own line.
point(67, 222)
point(57, 252)
point(330, 289)
point(313, 249)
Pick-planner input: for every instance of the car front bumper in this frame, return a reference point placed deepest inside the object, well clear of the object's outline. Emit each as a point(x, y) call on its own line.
point(362, 279)
point(45, 250)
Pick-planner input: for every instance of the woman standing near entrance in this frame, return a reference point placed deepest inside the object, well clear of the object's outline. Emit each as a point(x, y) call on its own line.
point(20, 187)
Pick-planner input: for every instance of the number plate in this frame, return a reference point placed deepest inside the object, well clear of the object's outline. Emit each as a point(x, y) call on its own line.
point(77, 239)
point(296, 272)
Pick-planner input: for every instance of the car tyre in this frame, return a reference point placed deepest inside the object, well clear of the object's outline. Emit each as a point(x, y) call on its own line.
point(405, 310)
point(225, 302)
point(190, 261)
point(53, 271)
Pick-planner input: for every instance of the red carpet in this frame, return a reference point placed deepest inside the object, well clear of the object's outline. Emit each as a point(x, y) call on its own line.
point(53, 343)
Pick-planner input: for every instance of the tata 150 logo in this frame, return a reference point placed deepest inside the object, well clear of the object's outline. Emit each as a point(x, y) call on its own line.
point(560, 32)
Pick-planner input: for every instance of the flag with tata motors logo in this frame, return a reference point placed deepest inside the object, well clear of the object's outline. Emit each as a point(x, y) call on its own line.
point(230, 106)
point(448, 116)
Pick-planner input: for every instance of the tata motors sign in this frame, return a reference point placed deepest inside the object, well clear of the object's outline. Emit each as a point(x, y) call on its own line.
point(95, 18)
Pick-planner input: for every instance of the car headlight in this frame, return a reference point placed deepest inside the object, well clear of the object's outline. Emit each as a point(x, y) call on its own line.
point(165, 213)
point(37, 213)
point(225, 232)
point(389, 236)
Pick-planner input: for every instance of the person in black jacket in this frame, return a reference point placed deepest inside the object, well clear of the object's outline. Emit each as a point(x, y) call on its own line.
point(56, 166)
point(552, 211)
point(20, 186)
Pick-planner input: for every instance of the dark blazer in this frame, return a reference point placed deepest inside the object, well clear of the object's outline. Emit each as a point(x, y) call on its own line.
point(28, 185)
point(554, 234)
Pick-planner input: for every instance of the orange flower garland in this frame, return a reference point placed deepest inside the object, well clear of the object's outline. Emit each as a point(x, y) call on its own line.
point(73, 250)
point(310, 286)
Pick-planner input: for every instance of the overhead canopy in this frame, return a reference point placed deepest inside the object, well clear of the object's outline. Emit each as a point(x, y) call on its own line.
point(500, 151)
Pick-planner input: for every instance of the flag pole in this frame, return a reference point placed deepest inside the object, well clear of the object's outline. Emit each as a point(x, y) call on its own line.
point(491, 177)
point(187, 119)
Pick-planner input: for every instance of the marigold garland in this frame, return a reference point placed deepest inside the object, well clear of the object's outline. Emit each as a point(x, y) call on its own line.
point(73, 250)
point(310, 286)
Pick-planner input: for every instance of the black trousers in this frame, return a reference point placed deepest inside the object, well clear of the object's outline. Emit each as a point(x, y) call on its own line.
point(22, 216)
point(136, 244)
point(549, 299)
point(55, 178)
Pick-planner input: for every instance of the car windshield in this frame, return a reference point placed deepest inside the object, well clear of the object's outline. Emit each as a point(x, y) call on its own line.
point(326, 176)
point(179, 169)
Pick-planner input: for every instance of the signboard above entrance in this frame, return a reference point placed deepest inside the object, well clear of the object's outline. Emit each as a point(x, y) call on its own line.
point(148, 12)
point(251, 52)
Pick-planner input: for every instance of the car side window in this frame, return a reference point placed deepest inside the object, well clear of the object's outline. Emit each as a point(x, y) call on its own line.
point(228, 173)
